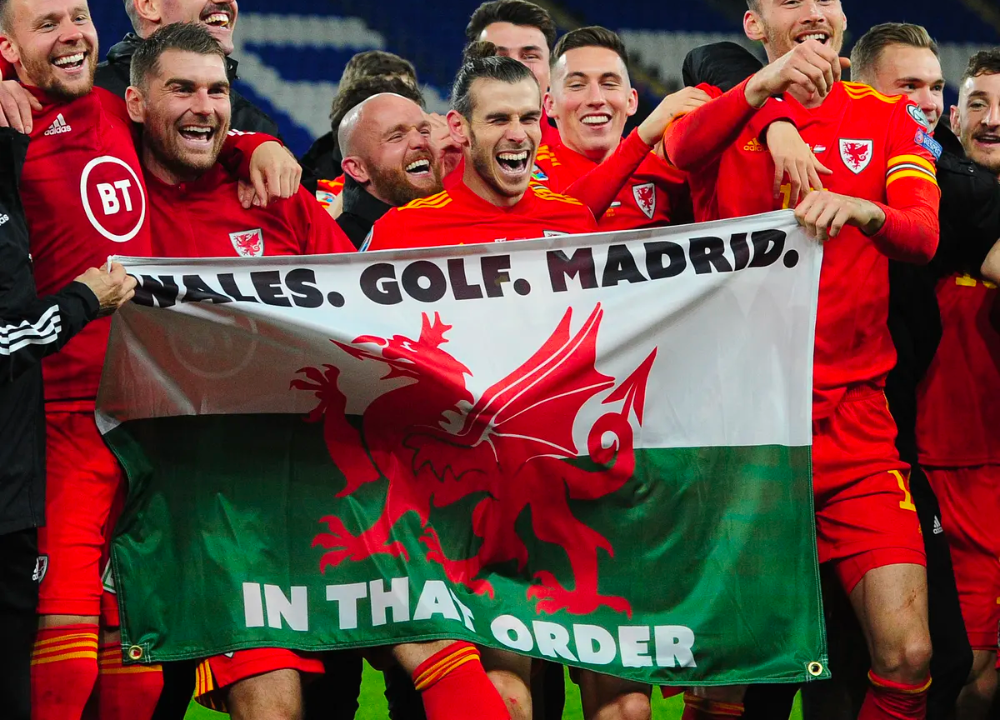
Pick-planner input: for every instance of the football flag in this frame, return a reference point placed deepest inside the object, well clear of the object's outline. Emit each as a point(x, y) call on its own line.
point(591, 449)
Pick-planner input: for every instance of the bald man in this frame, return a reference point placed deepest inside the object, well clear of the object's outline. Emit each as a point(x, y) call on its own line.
point(389, 160)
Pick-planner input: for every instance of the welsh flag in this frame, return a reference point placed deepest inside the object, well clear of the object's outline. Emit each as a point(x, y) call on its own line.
point(591, 449)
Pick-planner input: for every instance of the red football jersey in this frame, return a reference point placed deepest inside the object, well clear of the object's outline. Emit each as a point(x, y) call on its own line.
point(877, 152)
point(958, 414)
point(204, 218)
point(655, 194)
point(458, 216)
point(84, 200)
point(327, 191)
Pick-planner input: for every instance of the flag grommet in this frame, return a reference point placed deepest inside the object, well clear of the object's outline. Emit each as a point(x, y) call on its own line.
point(135, 653)
point(815, 668)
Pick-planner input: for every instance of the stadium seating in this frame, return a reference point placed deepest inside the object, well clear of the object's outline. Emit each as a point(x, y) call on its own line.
point(290, 61)
point(291, 53)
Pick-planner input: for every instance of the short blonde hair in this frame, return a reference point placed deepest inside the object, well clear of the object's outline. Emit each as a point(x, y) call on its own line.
point(869, 48)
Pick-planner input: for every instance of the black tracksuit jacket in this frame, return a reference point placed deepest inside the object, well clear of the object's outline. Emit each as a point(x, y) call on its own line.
point(30, 328)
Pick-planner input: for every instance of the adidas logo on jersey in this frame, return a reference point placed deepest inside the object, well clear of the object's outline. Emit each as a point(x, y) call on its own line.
point(937, 526)
point(4, 219)
point(754, 146)
point(59, 127)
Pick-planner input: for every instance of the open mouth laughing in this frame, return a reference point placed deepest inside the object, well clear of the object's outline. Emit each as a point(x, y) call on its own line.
point(513, 163)
point(198, 135)
point(218, 17)
point(419, 168)
point(820, 36)
point(71, 61)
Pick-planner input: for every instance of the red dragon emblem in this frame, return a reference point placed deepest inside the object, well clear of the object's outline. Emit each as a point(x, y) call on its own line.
point(856, 154)
point(436, 444)
point(645, 198)
point(249, 243)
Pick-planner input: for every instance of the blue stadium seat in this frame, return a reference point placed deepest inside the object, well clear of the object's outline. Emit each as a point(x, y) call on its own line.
point(292, 52)
point(291, 61)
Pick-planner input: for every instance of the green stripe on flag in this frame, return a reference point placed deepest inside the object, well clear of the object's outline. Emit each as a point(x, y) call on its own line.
point(711, 549)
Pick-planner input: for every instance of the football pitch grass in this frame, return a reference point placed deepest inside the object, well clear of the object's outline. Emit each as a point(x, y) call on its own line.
point(373, 705)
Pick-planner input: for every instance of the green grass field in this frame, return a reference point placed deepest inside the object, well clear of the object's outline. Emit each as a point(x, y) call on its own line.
point(373, 705)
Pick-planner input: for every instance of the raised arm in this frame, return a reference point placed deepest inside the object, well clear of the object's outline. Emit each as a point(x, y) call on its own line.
point(599, 188)
point(700, 138)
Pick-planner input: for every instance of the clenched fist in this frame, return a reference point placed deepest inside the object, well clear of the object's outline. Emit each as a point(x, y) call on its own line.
point(811, 66)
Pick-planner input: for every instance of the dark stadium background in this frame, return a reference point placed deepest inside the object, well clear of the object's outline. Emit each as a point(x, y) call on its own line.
point(291, 52)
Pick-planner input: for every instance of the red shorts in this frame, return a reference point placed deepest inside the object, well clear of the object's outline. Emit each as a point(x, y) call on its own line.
point(970, 513)
point(83, 484)
point(216, 674)
point(865, 517)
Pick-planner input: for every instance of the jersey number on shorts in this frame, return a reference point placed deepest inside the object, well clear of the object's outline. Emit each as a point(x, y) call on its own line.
point(904, 485)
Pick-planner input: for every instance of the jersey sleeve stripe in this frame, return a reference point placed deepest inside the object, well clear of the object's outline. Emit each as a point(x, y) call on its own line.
point(434, 201)
point(908, 166)
point(912, 160)
point(543, 193)
point(427, 205)
point(857, 91)
point(920, 175)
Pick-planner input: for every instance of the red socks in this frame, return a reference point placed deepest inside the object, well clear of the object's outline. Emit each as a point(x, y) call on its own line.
point(889, 700)
point(126, 692)
point(63, 671)
point(698, 708)
point(452, 683)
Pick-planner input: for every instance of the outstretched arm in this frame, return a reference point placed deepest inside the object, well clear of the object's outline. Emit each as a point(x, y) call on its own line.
point(599, 188)
point(699, 139)
point(43, 326)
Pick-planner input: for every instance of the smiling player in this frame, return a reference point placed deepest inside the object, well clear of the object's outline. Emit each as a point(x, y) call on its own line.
point(591, 99)
point(84, 199)
point(180, 96)
point(882, 202)
point(495, 116)
point(220, 17)
point(496, 110)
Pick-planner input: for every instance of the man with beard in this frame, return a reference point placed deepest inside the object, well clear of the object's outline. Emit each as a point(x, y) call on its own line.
point(180, 96)
point(388, 161)
point(882, 203)
point(321, 164)
point(330, 186)
point(958, 424)
point(495, 116)
point(53, 46)
point(82, 147)
point(898, 58)
point(31, 328)
point(219, 16)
